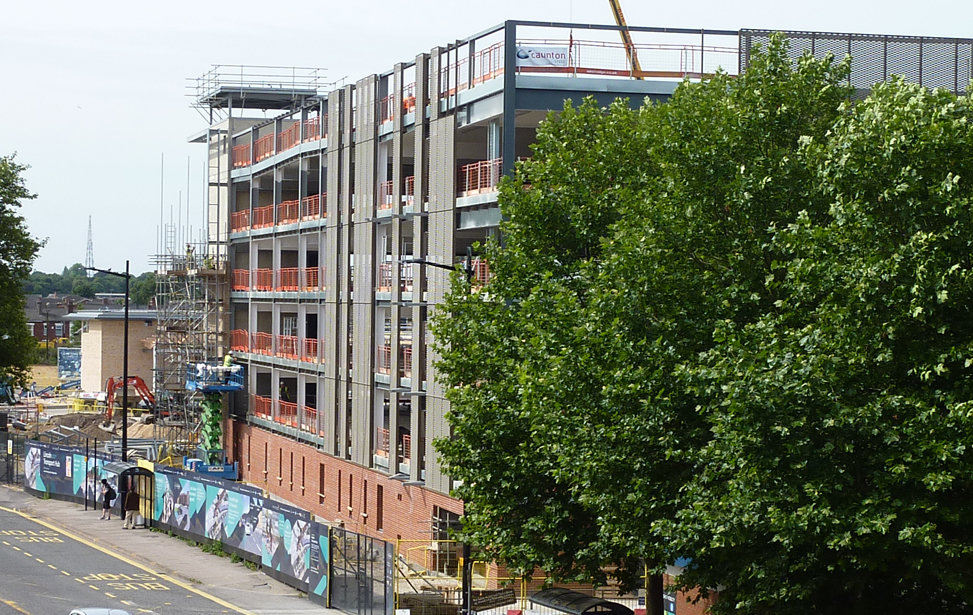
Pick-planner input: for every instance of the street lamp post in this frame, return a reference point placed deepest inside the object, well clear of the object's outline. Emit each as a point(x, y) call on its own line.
point(127, 277)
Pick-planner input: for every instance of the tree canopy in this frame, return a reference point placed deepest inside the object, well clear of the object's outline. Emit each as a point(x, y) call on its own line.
point(734, 328)
point(17, 252)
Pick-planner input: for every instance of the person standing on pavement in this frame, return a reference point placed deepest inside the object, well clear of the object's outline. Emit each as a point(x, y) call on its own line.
point(131, 508)
point(107, 496)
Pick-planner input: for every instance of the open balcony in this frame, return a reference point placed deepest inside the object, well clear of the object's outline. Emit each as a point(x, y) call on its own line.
point(308, 420)
point(288, 347)
point(288, 280)
point(264, 147)
point(263, 280)
point(240, 340)
point(385, 196)
point(263, 407)
point(289, 137)
point(309, 350)
point(286, 413)
point(263, 217)
point(479, 177)
point(240, 221)
point(263, 343)
point(241, 280)
point(310, 279)
point(241, 156)
point(289, 212)
point(314, 207)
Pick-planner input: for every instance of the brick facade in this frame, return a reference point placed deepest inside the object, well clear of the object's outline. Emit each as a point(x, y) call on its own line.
point(293, 471)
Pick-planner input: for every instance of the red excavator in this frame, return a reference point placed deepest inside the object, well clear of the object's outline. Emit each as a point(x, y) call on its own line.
point(114, 384)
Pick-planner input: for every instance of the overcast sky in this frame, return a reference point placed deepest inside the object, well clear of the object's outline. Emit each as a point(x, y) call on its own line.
point(94, 93)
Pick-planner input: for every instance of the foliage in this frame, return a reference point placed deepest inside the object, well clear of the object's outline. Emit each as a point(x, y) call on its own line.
point(74, 280)
point(17, 252)
point(841, 419)
point(732, 327)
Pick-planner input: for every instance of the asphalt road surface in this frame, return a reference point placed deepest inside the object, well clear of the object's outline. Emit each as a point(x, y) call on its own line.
point(44, 572)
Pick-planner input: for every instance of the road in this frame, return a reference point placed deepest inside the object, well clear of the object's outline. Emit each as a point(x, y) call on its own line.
point(46, 572)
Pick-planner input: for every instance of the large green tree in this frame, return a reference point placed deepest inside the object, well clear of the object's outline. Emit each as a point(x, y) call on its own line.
point(840, 462)
point(17, 252)
point(632, 383)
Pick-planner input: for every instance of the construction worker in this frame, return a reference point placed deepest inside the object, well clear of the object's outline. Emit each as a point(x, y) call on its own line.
point(283, 394)
point(227, 368)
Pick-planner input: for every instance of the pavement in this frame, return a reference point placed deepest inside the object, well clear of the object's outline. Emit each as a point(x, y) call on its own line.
point(250, 590)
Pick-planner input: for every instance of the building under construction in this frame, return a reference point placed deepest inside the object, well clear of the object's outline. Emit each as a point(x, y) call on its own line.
point(330, 224)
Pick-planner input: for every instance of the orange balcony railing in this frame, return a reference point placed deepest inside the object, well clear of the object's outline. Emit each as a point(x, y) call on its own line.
point(264, 147)
point(479, 177)
point(288, 347)
point(240, 340)
point(384, 277)
point(385, 195)
point(384, 365)
point(289, 137)
point(263, 343)
point(410, 190)
point(487, 64)
point(405, 361)
point(240, 221)
point(409, 98)
point(263, 217)
point(406, 447)
point(262, 406)
point(288, 279)
point(241, 156)
point(311, 207)
point(382, 443)
point(312, 129)
point(289, 212)
point(481, 271)
point(387, 109)
point(309, 419)
point(309, 350)
point(287, 413)
point(241, 279)
point(310, 279)
point(263, 280)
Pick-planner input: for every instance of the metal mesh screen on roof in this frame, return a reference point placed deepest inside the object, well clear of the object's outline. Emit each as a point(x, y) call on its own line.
point(932, 62)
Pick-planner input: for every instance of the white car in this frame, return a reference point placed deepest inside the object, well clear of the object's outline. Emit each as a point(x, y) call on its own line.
point(98, 610)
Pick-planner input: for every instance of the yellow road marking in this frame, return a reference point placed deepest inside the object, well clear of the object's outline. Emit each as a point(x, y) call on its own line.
point(14, 606)
point(65, 573)
point(28, 554)
point(41, 561)
point(127, 603)
point(52, 566)
point(93, 587)
point(17, 549)
point(111, 595)
point(6, 543)
point(79, 580)
point(130, 562)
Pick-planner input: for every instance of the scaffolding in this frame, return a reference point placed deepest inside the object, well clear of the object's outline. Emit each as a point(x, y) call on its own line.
point(191, 286)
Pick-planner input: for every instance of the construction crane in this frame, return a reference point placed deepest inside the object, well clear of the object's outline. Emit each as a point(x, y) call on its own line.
point(633, 58)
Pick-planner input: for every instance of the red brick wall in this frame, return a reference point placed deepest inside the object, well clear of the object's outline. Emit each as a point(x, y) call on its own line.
point(684, 604)
point(406, 511)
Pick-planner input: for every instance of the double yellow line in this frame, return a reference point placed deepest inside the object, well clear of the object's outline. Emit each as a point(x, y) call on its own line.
point(128, 561)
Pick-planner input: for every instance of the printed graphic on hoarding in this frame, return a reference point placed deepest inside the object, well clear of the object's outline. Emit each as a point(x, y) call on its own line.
point(542, 56)
point(62, 470)
point(68, 363)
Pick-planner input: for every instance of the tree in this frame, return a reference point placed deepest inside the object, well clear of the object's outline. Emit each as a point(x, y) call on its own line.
point(143, 289)
point(840, 463)
point(83, 288)
point(730, 327)
point(17, 252)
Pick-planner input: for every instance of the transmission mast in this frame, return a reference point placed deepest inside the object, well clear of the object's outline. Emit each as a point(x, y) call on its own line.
point(89, 259)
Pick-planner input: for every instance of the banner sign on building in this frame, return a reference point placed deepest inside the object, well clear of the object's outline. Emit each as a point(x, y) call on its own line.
point(542, 56)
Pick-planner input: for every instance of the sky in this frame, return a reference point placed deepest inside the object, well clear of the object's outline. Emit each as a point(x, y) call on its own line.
point(94, 94)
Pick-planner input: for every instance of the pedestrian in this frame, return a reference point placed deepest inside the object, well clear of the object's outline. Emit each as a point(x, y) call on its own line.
point(108, 495)
point(131, 508)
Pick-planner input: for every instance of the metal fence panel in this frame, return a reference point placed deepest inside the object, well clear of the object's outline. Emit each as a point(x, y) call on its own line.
point(12, 458)
point(359, 568)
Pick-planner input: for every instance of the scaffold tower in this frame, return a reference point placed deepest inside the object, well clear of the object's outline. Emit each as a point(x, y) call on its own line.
point(190, 289)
